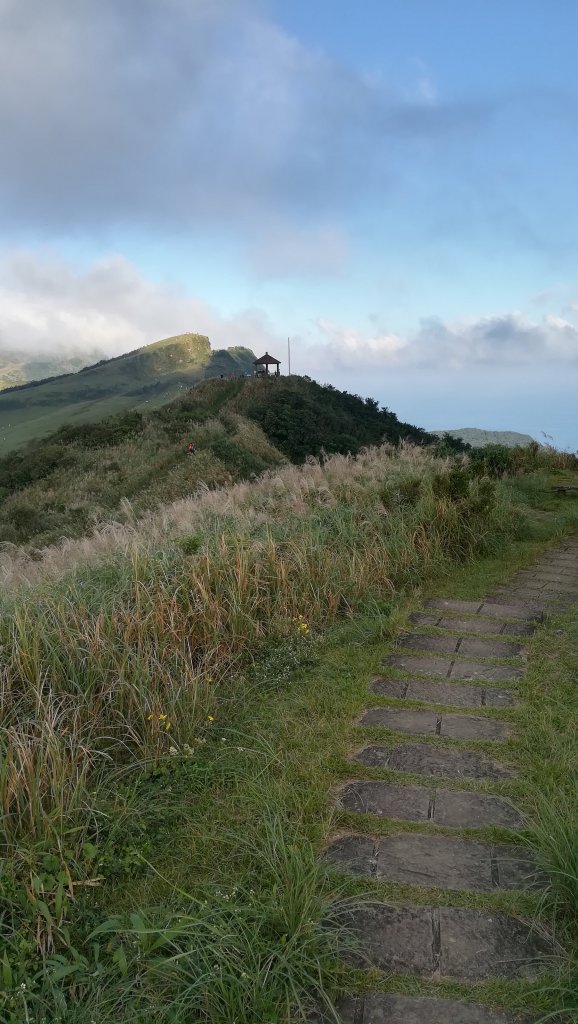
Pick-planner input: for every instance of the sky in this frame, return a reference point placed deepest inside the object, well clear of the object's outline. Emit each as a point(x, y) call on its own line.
point(390, 184)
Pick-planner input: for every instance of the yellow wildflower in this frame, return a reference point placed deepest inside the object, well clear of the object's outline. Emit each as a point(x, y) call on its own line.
point(210, 718)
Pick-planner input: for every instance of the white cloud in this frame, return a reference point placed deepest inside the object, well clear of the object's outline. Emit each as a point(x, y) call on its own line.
point(505, 340)
point(505, 371)
point(178, 113)
point(46, 307)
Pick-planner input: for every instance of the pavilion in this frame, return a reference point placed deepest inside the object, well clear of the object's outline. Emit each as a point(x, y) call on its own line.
point(262, 365)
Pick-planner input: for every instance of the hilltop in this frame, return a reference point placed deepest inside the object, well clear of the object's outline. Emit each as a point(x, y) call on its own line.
point(143, 379)
point(84, 473)
point(479, 438)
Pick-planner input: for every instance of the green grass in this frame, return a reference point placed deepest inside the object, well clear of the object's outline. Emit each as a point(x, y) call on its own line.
point(193, 890)
point(144, 379)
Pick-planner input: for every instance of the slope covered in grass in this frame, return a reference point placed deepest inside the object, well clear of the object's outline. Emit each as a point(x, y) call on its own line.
point(86, 473)
point(145, 378)
point(120, 679)
point(176, 697)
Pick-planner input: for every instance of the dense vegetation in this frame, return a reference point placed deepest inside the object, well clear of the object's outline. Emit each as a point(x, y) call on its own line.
point(302, 418)
point(85, 473)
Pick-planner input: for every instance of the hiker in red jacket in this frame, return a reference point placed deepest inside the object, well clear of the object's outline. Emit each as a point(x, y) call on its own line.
point(191, 448)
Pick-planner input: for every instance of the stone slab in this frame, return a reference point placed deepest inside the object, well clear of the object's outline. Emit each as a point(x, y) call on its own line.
point(430, 861)
point(437, 862)
point(447, 668)
point(469, 945)
point(453, 808)
point(457, 695)
point(471, 647)
point(476, 945)
point(517, 870)
point(353, 853)
point(561, 587)
point(423, 619)
point(479, 670)
point(464, 646)
point(425, 723)
point(460, 865)
point(421, 666)
point(520, 594)
point(386, 800)
point(422, 723)
point(511, 611)
point(543, 577)
point(349, 1010)
point(374, 756)
point(477, 624)
point(379, 1008)
point(566, 562)
point(532, 584)
point(433, 760)
point(468, 727)
point(498, 699)
point(569, 582)
point(394, 939)
point(448, 605)
point(449, 694)
point(388, 687)
point(474, 810)
point(423, 642)
point(391, 1008)
point(519, 629)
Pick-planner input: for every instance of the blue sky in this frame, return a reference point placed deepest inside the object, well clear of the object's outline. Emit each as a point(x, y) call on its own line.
point(393, 184)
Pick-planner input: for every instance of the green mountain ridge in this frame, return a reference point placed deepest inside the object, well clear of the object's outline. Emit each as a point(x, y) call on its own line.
point(479, 438)
point(147, 377)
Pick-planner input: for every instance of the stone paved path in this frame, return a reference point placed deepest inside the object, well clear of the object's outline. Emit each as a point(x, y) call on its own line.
point(457, 654)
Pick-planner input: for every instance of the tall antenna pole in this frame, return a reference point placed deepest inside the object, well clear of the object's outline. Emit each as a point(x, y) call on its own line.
point(289, 354)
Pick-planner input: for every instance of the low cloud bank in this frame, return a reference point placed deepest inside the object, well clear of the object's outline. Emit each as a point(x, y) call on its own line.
point(504, 371)
point(49, 308)
point(499, 341)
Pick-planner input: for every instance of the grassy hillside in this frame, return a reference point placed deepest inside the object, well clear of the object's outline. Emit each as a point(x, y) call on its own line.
point(177, 697)
point(143, 379)
point(478, 438)
point(84, 474)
